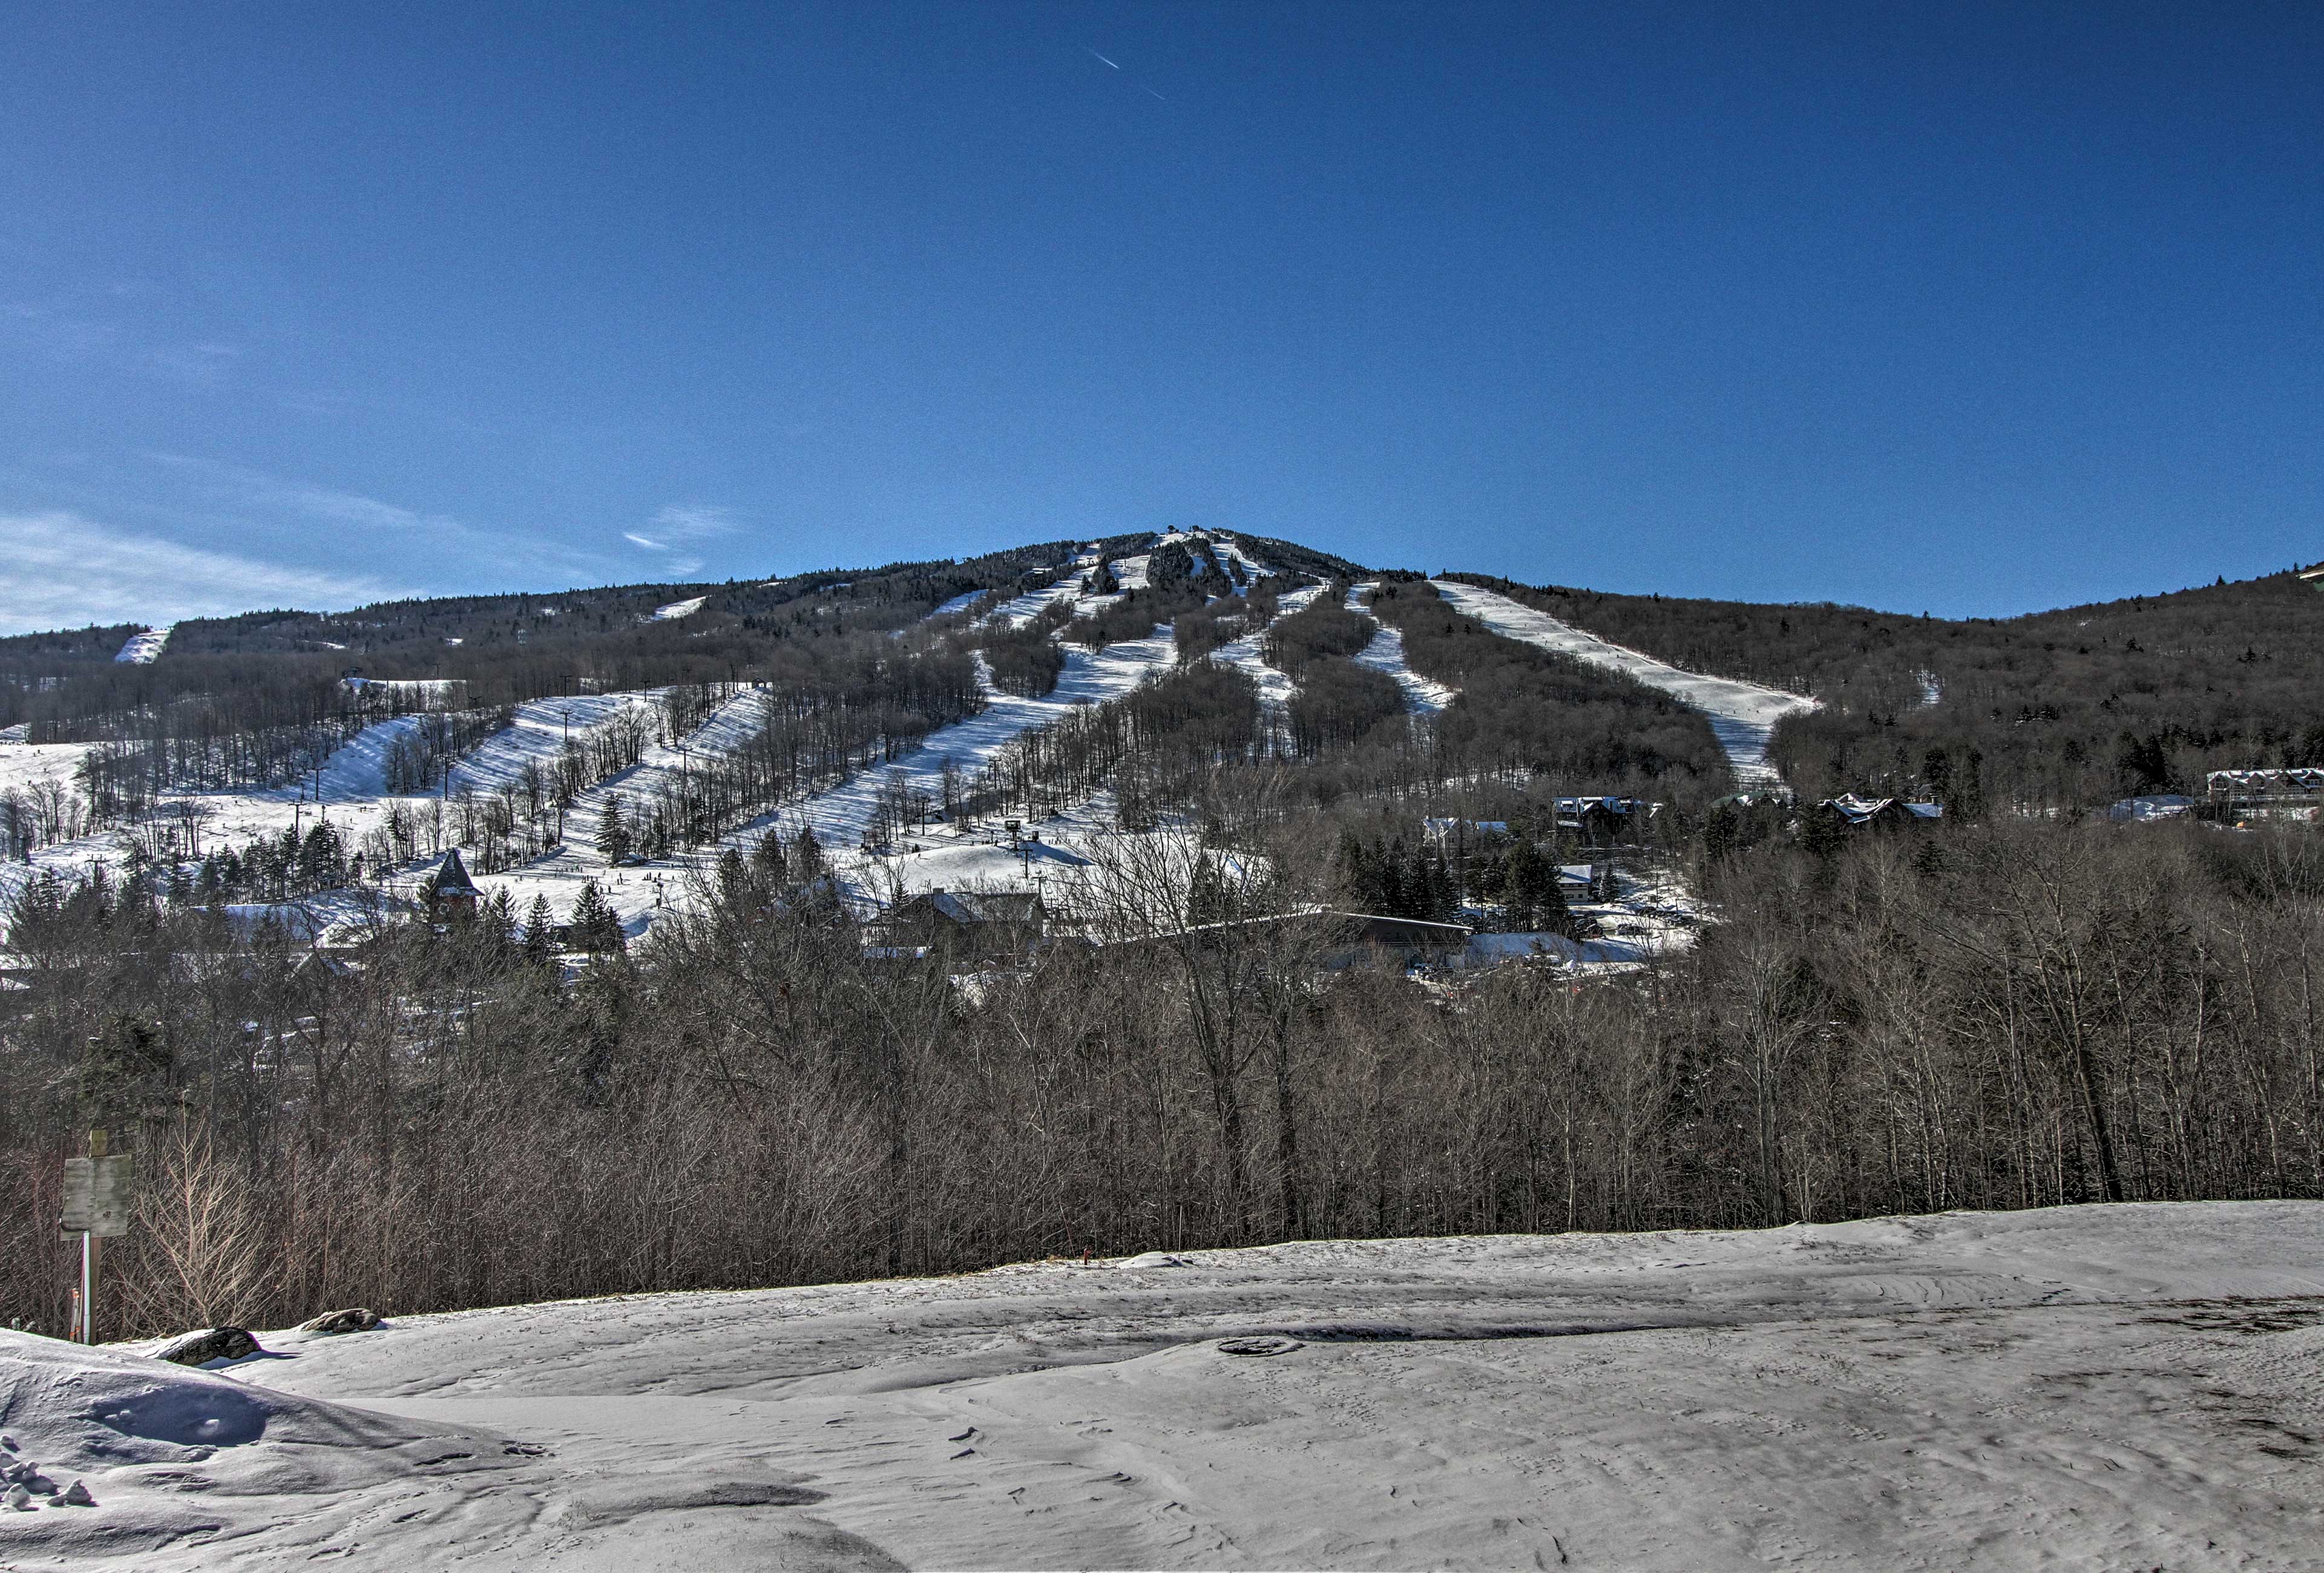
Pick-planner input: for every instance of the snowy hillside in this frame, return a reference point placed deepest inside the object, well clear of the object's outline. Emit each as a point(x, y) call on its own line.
point(2086, 1387)
point(1741, 715)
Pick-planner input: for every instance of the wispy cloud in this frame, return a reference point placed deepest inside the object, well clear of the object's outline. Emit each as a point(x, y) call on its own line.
point(64, 570)
point(679, 524)
point(78, 337)
point(694, 521)
point(319, 503)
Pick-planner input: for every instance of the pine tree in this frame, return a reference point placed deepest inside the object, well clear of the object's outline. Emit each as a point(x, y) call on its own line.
point(734, 875)
point(539, 939)
point(614, 832)
point(593, 924)
point(496, 926)
point(807, 857)
point(769, 857)
point(1359, 873)
point(322, 862)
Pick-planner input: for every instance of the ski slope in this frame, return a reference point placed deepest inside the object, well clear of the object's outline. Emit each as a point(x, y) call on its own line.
point(2100, 1387)
point(145, 649)
point(1742, 716)
point(841, 816)
point(1276, 687)
point(1422, 696)
point(633, 891)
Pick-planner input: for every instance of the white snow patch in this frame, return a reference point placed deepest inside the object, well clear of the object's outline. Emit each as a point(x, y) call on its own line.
point(1275, 687)
point(677, 609)
point(1742, 716)
point(143, 648)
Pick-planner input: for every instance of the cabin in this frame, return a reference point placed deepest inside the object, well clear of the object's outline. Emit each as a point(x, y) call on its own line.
point(980, 924)
point(1585, 882)
point(1603, 822)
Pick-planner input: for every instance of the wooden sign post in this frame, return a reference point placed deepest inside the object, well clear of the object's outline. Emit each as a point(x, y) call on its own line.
point(97, 1207)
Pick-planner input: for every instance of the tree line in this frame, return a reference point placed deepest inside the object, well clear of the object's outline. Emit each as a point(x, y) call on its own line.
point(2005, 1014)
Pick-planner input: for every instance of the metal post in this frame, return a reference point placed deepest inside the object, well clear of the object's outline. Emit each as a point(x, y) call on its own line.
point(88, 1259)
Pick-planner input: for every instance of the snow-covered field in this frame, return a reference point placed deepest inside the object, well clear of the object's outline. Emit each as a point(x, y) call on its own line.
point(1741, 715)
point(2123, 1387)
point(24, 765)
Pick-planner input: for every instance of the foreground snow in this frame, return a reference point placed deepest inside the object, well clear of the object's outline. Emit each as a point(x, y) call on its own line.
point(1741, 715)
point(2100, 1387)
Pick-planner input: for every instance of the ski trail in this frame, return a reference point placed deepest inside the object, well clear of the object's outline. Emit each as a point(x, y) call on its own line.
point(840, 816)
point(1422, 696)
point(1276, 689)
point(1742, 716)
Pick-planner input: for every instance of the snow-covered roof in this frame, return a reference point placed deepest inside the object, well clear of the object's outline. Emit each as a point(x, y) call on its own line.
point(2223, 782)
point(977, 906)
point(1858, 810)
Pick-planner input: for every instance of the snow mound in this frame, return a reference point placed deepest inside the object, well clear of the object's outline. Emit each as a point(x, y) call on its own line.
point(171, 1460)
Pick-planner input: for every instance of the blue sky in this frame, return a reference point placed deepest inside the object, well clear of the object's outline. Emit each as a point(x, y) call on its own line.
point(1962, 310)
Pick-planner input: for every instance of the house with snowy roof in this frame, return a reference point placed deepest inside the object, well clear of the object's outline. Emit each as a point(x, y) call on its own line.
point(963, 923)
point(1855, 813)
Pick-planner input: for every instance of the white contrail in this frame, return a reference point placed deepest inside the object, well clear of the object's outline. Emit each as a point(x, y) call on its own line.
point(1093, 53)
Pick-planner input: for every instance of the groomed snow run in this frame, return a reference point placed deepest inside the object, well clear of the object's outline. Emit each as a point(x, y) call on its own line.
point(1247, 654)
point(145, 649)
point(2102, 1387)
point(677, 609)
point(1741, 715)
point(1422, 696)
point(841, 816)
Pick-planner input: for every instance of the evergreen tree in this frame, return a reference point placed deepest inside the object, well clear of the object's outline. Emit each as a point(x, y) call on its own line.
point(807, 857)
point(322, 860)
point(769, 857)
point(614, 844)
point(734, 876)
point(1533, 899)
point(496, 926)
point(540, 936)
point(1359, 873)
point(593, 924)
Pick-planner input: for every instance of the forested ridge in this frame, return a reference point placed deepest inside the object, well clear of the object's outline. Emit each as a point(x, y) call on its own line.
point(2073, 708)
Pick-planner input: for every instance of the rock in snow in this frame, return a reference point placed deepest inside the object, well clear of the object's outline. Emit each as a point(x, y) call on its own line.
point(356, 1319)
point(2079, 1387)
point(201, 1349)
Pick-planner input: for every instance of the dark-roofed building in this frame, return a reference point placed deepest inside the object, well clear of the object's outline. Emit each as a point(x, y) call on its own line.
point(1855, 813)
point(963, 923)
point(450, 892)
point(1601, 822)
